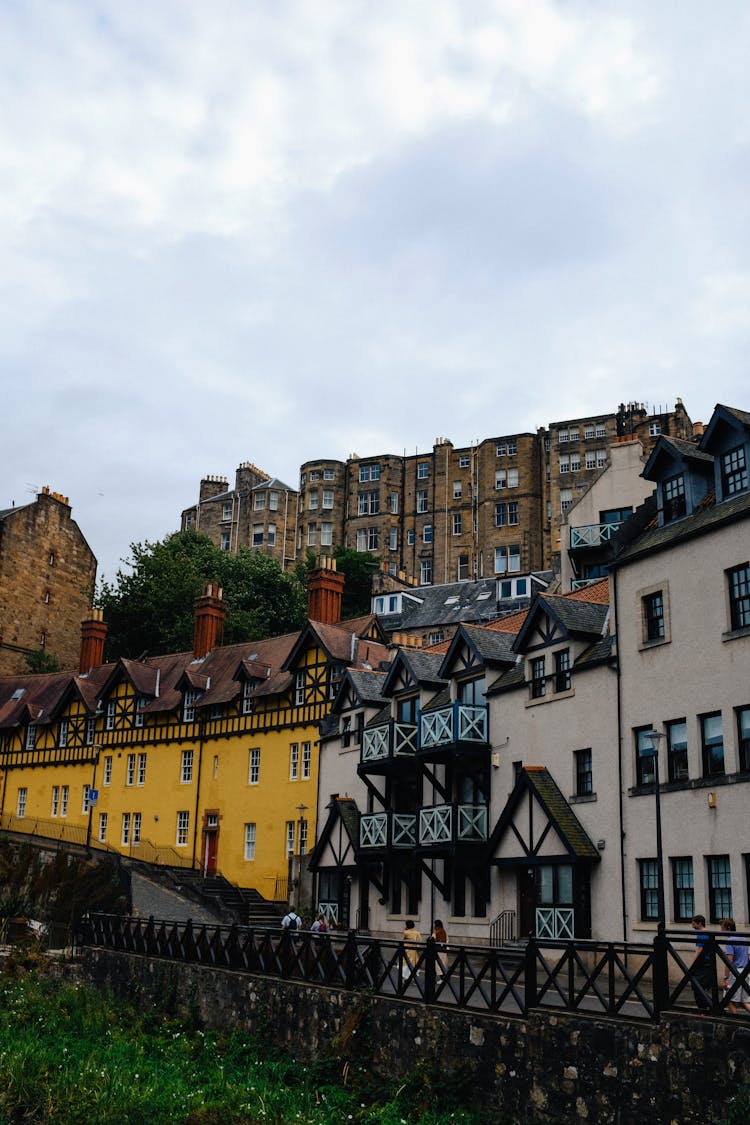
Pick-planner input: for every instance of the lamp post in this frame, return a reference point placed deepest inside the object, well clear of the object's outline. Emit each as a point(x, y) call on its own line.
point(656, 737)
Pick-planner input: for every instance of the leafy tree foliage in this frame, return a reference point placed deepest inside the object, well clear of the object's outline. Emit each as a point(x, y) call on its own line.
point(42, 661)
point(149, 608)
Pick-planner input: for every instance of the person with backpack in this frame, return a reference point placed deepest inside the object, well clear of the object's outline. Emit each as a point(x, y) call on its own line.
point(291, 922)
point(320, 926)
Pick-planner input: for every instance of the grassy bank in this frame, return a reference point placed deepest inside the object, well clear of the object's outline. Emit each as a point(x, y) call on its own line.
point(71, 1055)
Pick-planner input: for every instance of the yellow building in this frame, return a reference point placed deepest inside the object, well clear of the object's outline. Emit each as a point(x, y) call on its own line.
point(205, 759)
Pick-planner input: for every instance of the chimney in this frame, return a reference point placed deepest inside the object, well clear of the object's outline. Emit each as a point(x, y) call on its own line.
point(325, 587)
point(93, 634)
point(210, 613)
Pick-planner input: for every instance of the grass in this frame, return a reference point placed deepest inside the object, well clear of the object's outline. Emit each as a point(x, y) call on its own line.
point(73, 1055)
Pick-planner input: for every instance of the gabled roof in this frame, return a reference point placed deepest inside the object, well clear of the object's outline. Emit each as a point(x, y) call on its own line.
point(340, 643)
point(572, 617)
point(341, 847)
point(706, 517)
point(272, 484)
point(673, 449)
point(721, 417)
point(37, 697)
point(421, 668)
point(489, 647)
point(539, 783)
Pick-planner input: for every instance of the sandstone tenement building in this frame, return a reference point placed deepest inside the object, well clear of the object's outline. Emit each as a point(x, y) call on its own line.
point(491, 508)
point(47, 577)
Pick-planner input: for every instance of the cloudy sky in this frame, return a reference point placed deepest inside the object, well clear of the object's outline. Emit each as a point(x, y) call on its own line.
point(272, 231)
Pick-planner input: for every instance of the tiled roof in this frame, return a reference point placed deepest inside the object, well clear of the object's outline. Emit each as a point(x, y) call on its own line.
point(596, 592)
point(38, 697)
point(510, 624)
point(560, 812)
point(577, 616)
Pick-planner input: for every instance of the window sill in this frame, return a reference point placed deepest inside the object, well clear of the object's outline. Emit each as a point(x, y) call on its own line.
point(734, 634)
point(714, 782)
point(582, 799)
point(656, 643)
point(552, 698)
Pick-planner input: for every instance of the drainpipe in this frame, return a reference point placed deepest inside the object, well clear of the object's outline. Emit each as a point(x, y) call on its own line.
point(613, 575)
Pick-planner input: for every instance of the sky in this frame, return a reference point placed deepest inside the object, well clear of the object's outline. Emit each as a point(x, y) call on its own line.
point(278, 231)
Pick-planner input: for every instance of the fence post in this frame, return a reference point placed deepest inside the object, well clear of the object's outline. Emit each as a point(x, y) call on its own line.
point(430, 970)
point(350, 959)
point(529, 975)
point(661, 971)
point(150, 934)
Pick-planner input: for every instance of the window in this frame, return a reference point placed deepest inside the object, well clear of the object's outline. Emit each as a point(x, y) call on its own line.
point(644, 757)
point(563, 436)
point(369, 472)
point(410, 537)
point(55, 800)
point(513, 513)
point(226, 541)
point(501, 515)
point(508, 559)
point(302, 836)
point(315, 474)
point(259, 501)
point(601, 429)
point(188, 710)
point(136, 828)
point(394, 503)
point(590, 459)
point(186, 767)
point(463, 461)
point(457, 489)
point(226, 511)
point(564, 462)
point(31, 736)
point(683, 889)
point(273, 501)
point(562, 670)
point(653, 616)
point(574, 433)
point(183, 826)
point(588, 431)
point(253, 775)
point(601, 458)
point(675, 504)
point(423, 470)
point(457, 523)
point(312, 500)
point(90, 730)
point(247, 697)
point(512, 447)
point(427, 533)
point(140, 701)
point(306, 760)
point(250, 833)
point(368, 503)
point(575, 462)
point(84, 799)
point(216, 766)
point(649, 882)
point(125, 839)
point(393, 539)
point(373, 539)
point(566, 499)
point(719, 887)
point(677, 751)
point(425, 572)
point(272, 534)
point(299, 688)
point(584, 776)
point(739, 596)
point(312, 534)
point(538, 685)
point(294, 761)
point(328, 498)
point(437, 637)
point(733, 471)
point(257, 535)
point(362, 539)
point(107, 777)
point(463, 568)
point(102, 834)
point(326, 535)
point(743, 738)
point(110, 720)
point(289, 838)
point(329, 474)
point(141, 769)
point(654, 429)
point(62, 734)
point(712, 740)
point(21, 801)
point(421, 499)
point(130, 770)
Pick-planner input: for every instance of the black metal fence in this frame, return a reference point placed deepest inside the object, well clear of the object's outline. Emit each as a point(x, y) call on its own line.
point(632, 980)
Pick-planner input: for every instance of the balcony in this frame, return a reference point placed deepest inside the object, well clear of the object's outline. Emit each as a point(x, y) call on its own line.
point(452, 824)
point(592, 535)
point(387, 830)
point(459, 722)
point(387, 743)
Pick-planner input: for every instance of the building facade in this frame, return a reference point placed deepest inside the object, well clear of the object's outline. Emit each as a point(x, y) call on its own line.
point(47, 578)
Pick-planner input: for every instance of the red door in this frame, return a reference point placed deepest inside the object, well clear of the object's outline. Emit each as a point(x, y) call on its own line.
point(210, 847)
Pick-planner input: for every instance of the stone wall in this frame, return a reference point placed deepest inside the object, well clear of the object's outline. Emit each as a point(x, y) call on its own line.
point(546, 1068)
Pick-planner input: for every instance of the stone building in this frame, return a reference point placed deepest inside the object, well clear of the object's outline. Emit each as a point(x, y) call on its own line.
point(47, 578)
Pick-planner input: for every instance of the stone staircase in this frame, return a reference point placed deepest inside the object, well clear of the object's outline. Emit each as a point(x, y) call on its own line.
point(229, 902)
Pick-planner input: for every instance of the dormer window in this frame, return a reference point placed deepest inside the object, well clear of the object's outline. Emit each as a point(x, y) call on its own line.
point(247, 697)
point(675, 504)
point(733, 471)
point(188, 710)
point(31, 736)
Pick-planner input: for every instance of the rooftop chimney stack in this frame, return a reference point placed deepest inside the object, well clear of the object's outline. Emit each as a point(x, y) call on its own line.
point(93, 635)
point(210, 614)
point(325, 588)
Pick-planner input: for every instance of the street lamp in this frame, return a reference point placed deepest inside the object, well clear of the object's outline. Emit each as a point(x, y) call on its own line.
point(656, 736)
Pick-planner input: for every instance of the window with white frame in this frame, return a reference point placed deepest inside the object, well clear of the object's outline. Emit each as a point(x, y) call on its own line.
point(257, 535)
point(574, 433)
point(312, 500)
point(588, 431)
point(563, 436)
point(183, 827)
point(457, 524)
point(463, 461)
point(513, 513)
point(273, 501)
point(501, 478)
point(423, 470)
point(141, 769)
point(394, 503)
point(501, 515)
point(130, 770)
point(250, 834)
point(326, 534)
point(654, 429)
point(566, 499)
point(226, 541)
point(111, 712)
point(328, 498)
point(139, 703)
point(186, 767)
point(253, 775)
point(575, 461)
point(125, 836)
point(601, 458)
point(62, 734)
point(512, 447)
point(312, 535)
point(564, 462)
point(299, 688)
point(102, 834)
point(421, 500)
point(393, 539)
point(436, 637)
point(302, 836)
point(601, 429)
point(590, 459)
point(55, 800)
point(294, 761)
point(271, 534)
point(247, 697)
point(306, 760)
point(373, 538)
point(427, 533)
point(188, 709)
point(315, 474)
point(369, 472)
point(107, 776)
point(21, 799)
point(289, 834)
point(136, 828)
point(457, 489)
point(329, 474)
point(425, 572)
point(259, 501)
point(361, 538)
point(65, 798)
point(30, 736)
point(508, 558)
point(410, 537)
point(501, 449)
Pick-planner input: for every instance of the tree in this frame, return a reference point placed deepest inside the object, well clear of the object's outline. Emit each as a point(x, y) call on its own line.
point(41, 661)
point(150, 608)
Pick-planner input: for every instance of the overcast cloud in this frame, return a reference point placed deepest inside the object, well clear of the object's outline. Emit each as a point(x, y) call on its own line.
point(283, 230)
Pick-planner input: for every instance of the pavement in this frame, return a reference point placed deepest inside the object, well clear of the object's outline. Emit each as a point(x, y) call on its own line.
point(151, 898)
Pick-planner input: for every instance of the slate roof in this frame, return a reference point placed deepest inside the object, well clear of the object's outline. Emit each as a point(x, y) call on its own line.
point(368, 685)
point(442, 699)
point(539, 781)
point(491, 645)
point(705, 518)
point(273, 483)
point(450, 603)
point(599, 653)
